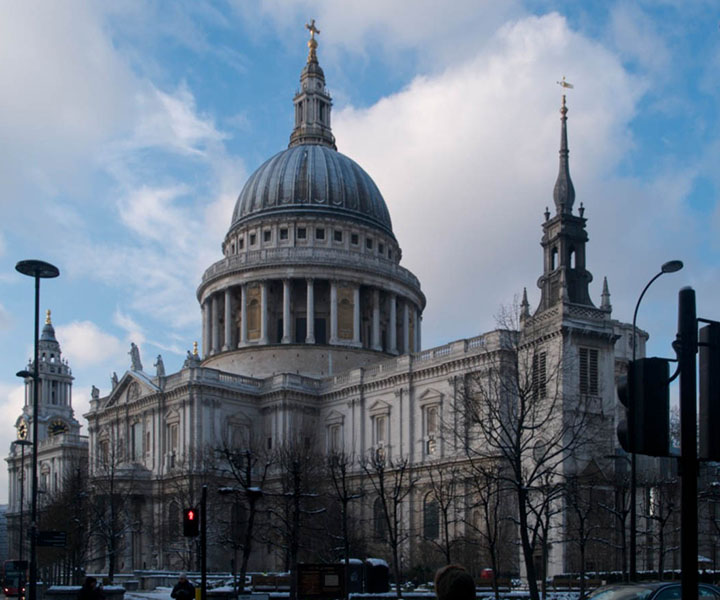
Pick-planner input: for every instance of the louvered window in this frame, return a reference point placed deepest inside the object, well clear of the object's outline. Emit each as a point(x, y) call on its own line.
point(588, 371)
point(539, 374)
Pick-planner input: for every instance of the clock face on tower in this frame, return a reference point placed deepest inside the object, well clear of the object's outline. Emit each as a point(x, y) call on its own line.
point(22, 430)
point(57, 427)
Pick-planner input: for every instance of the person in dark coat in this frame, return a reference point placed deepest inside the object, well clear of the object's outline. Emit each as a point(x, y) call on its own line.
point(90, 590)
point(453, 582)
point(183, 590)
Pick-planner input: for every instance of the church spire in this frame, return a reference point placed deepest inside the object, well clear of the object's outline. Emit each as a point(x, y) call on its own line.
point(312, 102)
point(564, 192)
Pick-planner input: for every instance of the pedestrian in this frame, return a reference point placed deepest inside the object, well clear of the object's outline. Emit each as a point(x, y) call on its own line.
point(183, 590)
point(453, 582)
point(90, 590)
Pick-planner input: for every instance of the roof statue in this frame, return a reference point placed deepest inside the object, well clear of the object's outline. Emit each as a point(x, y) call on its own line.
point(160, 366)
point(114, 380)
point(136, 364)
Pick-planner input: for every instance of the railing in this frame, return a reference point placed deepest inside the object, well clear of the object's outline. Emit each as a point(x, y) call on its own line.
point(310, 256)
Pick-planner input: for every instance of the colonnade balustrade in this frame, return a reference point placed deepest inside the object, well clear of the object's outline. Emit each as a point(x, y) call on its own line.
point(336, 312)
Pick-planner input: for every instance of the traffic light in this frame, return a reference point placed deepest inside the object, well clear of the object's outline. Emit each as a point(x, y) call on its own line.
point(709, 419)
point(645, 393)
point(191, 522)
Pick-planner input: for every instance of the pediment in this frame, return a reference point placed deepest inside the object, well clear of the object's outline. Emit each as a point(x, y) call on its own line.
point(334, 418)
point(132, 385)
point(430, 396)
point(379, 407)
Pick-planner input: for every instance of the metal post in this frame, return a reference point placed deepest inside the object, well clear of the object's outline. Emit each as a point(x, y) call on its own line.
point(688, 463)
point(33, 509)
point(203, 544)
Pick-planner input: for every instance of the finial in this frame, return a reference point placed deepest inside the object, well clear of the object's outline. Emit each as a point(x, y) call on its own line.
point(605, 297)
point(565, 84)
point(195, 344)
point(581, 210)
point(564, 192)
point(524, 306)
point(312, 42)
point(48, 320)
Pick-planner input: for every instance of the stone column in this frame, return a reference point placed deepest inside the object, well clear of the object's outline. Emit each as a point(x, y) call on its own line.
point(333, 313)
point(406, 327)
point(206, 327)
point(286, 339)
point(228, 321)
point(418, 339)
point(393, 324)
point(376, 320)
point(243, 316)
point(356, 315)
point(310, 336)
point(264, 312)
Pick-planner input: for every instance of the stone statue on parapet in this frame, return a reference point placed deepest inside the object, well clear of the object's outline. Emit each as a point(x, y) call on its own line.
point(114, 380)
point(136, 364)
point(94, 393)
point(160, 366)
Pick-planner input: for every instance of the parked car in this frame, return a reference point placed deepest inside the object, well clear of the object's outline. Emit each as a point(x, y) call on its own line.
point(651, 590)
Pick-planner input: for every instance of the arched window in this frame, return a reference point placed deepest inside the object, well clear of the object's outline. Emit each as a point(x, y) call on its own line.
point(553, 259)
point(572, 257)
point(431, 518)
point(173, 524)
point(379, 522)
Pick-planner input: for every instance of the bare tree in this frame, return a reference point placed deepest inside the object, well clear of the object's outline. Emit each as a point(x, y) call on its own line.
point(392, 480)
point(488, 517)
point(344, 491)
point(247, 470)
point(295, 502)
point(517, 418)
point(661, 517)
point(445, 488)
point(112, 489)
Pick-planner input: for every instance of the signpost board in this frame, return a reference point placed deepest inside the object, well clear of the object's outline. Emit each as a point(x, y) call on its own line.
point(317, 581)
point(52, 539)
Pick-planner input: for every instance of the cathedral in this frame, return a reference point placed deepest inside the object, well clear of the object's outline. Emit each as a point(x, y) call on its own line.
point(311, 331)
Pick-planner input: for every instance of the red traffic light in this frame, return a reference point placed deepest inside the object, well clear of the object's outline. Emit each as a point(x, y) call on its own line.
point(191, 522)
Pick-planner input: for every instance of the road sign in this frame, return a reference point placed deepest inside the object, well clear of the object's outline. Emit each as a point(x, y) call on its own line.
point(52, 539)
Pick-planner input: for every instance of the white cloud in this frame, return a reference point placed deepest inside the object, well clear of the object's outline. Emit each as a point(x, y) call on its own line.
point(12, 399)
point(467, 160)
point(5, 318)
point(635, 35)
point(85, 344)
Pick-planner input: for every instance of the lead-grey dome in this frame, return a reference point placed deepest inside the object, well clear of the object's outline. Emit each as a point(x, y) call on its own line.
point(312, 179)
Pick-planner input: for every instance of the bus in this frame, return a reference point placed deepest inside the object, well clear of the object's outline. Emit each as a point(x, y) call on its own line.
point(14, 576)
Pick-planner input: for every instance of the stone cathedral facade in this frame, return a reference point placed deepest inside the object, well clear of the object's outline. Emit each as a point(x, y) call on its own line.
point(311, 324)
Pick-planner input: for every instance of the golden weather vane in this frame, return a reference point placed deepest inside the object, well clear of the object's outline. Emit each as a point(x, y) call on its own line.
point(565, 84)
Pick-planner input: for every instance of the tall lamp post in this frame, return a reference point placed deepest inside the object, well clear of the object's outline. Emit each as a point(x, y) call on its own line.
point(37, 269)
point(22, 444)
point(671, 266)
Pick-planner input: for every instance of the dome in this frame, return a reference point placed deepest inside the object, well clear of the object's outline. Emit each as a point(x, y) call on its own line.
point(312, 179)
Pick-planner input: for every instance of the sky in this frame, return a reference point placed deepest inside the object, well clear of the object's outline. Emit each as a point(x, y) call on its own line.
point(127, 130)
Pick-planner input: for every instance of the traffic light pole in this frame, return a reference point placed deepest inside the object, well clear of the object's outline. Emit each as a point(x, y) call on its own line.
point(203, 544)
point(688, 460)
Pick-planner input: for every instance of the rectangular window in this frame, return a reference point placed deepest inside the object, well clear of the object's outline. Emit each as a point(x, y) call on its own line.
point(589, 371)
point(267, 235)
point(380, 430)
point(284, 233)
point(369, 243)
point(320, 233)
point(539, 374)
point(381, 248)
point(354, 239)
point(334, 438)
point(241, 243)
point(337, 235)
point(172, 437)
point(301, 233)
point(253, 239)
point(389, 254)
point(137, 441)
point(269, 443)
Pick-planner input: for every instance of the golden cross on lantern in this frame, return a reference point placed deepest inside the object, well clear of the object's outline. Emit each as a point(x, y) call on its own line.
point(312, 29)
point(565, 84)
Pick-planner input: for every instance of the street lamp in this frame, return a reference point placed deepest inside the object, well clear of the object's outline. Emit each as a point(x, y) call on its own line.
point(37, 269)
point(22, 444)
point(672, 266)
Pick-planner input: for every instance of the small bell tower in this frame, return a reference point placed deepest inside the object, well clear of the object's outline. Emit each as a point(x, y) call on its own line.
point(565, 278)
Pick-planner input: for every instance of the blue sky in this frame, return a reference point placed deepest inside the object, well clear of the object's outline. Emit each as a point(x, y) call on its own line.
point(129, 128)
